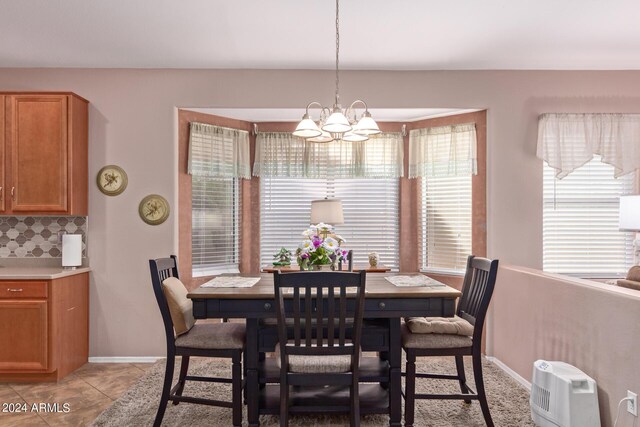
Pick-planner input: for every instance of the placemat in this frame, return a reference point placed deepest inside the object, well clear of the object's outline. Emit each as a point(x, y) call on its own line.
point(231, 282)
point(418, 280)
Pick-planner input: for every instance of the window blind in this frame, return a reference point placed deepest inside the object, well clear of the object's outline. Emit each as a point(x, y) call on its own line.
point(580, 221)
point(215, 209)
point(445, 223)
point(370, 209)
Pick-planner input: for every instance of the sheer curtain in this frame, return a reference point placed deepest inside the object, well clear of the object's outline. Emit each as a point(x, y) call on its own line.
point(280, 154)
point(443, 151)
point(218, 152)
point(568, 141)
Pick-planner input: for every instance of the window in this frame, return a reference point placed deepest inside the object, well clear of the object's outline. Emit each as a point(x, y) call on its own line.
point(445, 223)
point(370, 214)
point(580, 222)
point(215, 208)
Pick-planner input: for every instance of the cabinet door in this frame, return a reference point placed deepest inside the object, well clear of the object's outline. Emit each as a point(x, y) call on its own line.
point(24, 333)
point(39, 146)
point(3, 168)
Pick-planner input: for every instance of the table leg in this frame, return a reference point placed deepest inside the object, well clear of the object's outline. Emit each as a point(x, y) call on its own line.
point(252, 381)
point(395, 373)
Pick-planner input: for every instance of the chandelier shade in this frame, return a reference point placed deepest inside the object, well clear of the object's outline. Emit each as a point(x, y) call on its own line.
point(354, 137)
point(322, 138)
point(366, 125)
point(307, 128)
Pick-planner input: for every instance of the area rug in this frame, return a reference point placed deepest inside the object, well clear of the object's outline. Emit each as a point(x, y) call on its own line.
point(508, 401)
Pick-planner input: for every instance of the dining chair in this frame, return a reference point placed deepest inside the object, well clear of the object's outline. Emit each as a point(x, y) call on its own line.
point(477, 289)
point(349, 261)
point(317, 316)
point(187, 338)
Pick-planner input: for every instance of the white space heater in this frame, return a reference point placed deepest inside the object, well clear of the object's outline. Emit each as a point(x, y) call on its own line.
point(563, 396)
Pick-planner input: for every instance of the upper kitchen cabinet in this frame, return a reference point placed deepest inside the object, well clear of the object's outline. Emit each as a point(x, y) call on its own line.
point(45, 154)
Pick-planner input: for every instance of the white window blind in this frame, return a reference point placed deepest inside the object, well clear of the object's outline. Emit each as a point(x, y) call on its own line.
point(215, 209)
point(370, 215)
point(445, 223)
point(580, 221)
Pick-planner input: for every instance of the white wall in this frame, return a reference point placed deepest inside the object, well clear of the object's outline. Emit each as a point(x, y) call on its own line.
point(132, 123)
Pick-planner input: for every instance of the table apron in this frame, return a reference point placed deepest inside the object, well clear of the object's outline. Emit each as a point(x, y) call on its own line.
point(206, 308)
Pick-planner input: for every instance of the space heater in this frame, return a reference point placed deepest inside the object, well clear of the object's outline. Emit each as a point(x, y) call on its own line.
point(563, 396)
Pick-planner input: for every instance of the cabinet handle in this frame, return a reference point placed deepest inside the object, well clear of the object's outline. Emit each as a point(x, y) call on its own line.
point(267, 306)
point(382, 305)
point(72, 308)
point(13, 193)
point(14, 290)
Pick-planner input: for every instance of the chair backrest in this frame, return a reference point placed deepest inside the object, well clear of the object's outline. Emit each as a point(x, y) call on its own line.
point(161, 269)
point(349, 261)
point(477, 289)
point(329, 299)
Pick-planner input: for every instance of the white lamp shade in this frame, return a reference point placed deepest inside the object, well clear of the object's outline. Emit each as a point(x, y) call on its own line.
point(307, 128)
point(328, 211)
point(322, 138)
point(629, 213)
point(354, 137)
point(366, 126)
point(337, 123)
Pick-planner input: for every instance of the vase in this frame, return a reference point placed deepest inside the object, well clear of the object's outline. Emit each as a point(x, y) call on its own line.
point(321, 267)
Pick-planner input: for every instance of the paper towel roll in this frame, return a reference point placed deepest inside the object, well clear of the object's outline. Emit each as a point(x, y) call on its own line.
point(71, 250)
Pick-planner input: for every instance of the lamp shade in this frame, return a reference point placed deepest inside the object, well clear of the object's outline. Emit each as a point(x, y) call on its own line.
point(337, 123)
point(354, 137)
point(322, 138)
point(328, 211)
point(366, 125)
point(629, 213)
point(307, 128)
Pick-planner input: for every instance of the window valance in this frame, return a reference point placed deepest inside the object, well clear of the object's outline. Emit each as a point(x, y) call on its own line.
point(218, 152)
point(280, 154)
point(568, 141)
point(443, 151)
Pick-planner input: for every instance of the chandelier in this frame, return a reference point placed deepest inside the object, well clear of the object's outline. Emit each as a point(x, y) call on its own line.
point(336, 123)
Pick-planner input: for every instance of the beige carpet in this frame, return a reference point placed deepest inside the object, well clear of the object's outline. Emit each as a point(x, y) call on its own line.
point(508, 400)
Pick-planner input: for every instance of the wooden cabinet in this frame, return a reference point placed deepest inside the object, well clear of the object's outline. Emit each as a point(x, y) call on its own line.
point(45, 165)
point(44, 328)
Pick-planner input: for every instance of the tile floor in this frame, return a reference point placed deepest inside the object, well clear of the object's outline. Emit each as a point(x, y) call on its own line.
point(88, 391)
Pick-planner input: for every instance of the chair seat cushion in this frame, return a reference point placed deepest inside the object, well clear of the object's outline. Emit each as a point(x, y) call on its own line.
point(214, 336)
point(433, 341)
point(440, 325)
point(316, 364)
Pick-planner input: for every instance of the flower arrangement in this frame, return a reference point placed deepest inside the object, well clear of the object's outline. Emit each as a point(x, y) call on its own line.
point(320, 247)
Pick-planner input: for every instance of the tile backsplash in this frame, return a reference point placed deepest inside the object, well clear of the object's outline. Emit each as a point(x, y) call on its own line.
point(37, 236)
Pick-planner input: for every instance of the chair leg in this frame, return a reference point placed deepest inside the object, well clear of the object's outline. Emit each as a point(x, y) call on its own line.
point(355, 404)
point(284, 402)
point(462, 378)
point(236, 386)
point(410, 390)
point(166, 388)
point(482, 396)
point(184, 367)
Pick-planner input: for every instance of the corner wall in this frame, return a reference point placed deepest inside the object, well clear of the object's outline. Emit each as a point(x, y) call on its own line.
point(132, 123)
point(591, 325)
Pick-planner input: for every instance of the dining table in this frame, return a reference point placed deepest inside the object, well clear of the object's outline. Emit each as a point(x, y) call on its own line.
point(385, 306)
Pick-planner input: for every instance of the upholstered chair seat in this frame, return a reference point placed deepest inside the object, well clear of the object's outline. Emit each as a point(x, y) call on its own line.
point(433, 340)
point(213, 336)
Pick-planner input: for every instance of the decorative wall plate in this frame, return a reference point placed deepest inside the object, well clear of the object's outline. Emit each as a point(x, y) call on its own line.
point(112, 180)
point(154, 209)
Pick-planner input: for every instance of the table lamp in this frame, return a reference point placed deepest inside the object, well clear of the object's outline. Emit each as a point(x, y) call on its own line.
point(630, 221)
point(328, 211)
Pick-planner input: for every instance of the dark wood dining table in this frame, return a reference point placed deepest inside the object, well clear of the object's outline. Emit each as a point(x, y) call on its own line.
point(385, 306)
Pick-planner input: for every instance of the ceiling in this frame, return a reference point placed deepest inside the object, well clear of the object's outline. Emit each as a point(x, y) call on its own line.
point(299, 34)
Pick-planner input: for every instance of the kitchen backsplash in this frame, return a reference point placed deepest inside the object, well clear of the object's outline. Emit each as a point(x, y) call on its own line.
point(37, 236)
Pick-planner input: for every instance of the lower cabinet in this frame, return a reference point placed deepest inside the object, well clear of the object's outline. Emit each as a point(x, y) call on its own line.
point(44, 328)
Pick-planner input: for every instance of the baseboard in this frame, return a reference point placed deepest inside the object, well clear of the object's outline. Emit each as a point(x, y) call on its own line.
point(513, 374)
point(144, 359)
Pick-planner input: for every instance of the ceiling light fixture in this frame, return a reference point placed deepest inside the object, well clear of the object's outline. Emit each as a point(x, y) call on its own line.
point(336, 123)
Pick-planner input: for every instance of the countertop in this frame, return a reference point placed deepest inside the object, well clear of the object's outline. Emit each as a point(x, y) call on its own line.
point(38, 273)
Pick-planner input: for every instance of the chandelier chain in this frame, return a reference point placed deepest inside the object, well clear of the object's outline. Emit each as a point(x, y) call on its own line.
point(337, 51)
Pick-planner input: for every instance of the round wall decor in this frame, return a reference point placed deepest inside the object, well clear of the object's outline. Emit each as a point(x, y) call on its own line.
point(112, 180)
point(154, 209)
